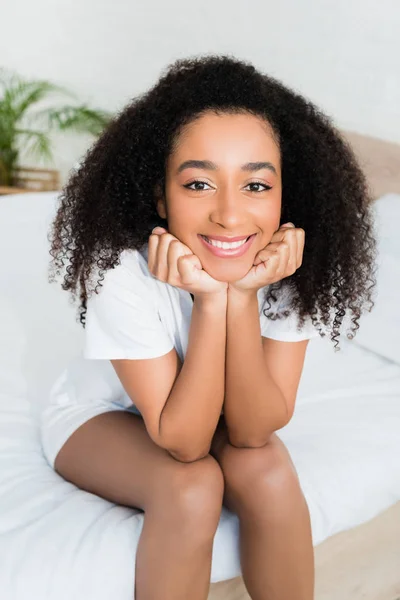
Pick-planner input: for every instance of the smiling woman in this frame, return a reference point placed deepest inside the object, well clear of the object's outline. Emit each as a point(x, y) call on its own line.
point(234, 198)
point(321, 183)
point(218, 224)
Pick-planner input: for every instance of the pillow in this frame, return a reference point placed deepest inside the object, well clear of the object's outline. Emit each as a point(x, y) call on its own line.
point(380, 329)
point(39, 332)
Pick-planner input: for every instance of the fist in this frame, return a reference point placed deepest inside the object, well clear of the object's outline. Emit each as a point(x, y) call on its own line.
point(279, 259)
point(169, 260)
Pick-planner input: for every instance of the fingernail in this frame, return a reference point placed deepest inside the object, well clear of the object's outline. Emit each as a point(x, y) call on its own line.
point(288, 225)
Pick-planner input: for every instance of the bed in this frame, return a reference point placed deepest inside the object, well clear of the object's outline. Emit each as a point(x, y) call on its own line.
point(58, 542)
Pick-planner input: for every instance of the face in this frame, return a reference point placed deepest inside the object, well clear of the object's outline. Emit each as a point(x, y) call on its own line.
point(222, 195)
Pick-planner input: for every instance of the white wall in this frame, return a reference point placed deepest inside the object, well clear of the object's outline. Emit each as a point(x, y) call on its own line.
point(342, 54)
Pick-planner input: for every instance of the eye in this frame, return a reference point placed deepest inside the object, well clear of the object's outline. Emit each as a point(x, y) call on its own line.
point(198, 181)
point(187, 185)
point(265, 186)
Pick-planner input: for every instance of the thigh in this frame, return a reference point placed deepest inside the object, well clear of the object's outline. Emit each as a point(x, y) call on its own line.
point(113, 456)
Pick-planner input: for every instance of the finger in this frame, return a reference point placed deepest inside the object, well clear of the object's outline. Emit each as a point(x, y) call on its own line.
point(266, 269)
point(284, 227)
point(288, 224)
point(301, 236)
point(176, 249)
point(189, 268)
point(290, 238)
point(153, 242)
point(297, 250)
point(152, 252)
point(275, 257)
point(283, 269)
point(267, 253)
point(161, 263)
point(290, 235)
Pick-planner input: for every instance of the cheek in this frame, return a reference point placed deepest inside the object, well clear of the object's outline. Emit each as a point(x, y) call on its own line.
point(184, 216)
point(273, 219)
point(182, 224)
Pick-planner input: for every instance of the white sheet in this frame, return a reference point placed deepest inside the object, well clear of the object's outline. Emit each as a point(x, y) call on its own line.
point(59, 542)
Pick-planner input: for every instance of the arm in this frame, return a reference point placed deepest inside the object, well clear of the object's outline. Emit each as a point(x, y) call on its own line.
point(262, 375)
point(190, 415)
point(181, 404)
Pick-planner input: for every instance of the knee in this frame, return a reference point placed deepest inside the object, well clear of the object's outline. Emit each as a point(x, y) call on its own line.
point(254, 473)
point(193, 495)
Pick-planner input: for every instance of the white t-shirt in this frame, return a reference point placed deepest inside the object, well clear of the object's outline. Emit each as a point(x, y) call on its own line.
point(136, 316)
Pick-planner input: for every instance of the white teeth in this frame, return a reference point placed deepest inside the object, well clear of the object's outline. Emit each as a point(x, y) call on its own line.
point(225, 245)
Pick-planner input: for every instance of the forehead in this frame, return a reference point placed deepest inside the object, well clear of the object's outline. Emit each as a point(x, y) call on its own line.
point(225, 136)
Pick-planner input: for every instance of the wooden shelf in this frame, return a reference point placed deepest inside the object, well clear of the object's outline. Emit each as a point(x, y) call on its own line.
point(6, 189)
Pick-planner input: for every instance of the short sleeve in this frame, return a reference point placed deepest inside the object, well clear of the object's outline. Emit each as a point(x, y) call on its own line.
point(122, 320)
point(284, 329)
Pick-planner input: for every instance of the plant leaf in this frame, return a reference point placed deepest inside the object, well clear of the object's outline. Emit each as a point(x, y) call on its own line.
point(20, 94)
point(81, 119)
point(36, 144)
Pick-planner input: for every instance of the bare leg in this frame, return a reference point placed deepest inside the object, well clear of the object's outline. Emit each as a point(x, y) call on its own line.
point(113, 456)
point(262, 488)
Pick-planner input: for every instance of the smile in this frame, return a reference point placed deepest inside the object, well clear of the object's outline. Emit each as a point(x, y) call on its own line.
point(227, 249)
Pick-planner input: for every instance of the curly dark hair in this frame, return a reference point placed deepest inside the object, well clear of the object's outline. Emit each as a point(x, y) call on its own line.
point(108, 204)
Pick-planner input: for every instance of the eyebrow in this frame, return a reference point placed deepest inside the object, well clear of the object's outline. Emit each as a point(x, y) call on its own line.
point(208, 165)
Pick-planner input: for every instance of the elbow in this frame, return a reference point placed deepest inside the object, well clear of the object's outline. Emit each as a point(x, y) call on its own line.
point(255, 440)
point(186, 452)
point(183, 451)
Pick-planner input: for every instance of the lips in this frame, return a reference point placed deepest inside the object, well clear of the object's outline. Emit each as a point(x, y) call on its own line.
point(219, 238)
point(229, 252)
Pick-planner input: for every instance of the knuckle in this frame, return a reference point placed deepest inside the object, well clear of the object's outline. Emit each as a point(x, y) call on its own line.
point(184, 258)
point(169, 236)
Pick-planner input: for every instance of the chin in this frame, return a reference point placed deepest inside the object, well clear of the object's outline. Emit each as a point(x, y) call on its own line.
point(227, 273)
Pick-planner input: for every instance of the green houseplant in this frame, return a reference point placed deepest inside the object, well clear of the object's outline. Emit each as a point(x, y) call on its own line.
point(27, 120)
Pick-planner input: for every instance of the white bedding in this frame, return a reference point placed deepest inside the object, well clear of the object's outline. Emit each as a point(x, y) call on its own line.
point(58, 542)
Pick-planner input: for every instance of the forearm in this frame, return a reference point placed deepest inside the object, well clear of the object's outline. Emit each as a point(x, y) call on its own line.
point(254, 406)
point(191, 413)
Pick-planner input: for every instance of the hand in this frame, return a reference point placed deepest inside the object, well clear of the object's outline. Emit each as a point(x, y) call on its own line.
point(279, 259)
point(172, 262)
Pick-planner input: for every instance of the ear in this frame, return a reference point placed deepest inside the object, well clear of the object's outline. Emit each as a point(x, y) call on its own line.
point(160, 202)
point(161, 208)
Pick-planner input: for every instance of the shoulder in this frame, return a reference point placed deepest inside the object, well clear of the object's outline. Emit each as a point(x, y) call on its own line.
point(122, 291)
point(130, 275)
point(272, 304)
point(278, 319)
point(123, 314)
point(134, 263)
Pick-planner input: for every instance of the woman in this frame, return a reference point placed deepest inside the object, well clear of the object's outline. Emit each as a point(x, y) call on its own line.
point(218, 225)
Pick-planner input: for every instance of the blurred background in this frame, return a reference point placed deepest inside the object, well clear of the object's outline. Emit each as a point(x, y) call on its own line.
point(344, 55)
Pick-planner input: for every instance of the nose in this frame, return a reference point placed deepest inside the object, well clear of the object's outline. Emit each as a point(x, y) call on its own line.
point(229, 210)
